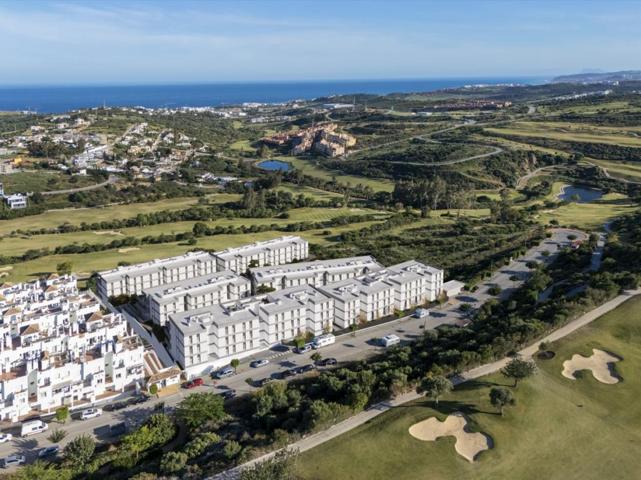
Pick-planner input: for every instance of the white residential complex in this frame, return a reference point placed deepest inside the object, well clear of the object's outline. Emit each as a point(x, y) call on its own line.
point(317, 274)
point(195, 293)
point(278, 251)
point(57, 348)
point(133, 279)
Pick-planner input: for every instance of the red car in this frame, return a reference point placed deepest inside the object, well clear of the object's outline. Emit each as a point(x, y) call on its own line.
point(196, 382)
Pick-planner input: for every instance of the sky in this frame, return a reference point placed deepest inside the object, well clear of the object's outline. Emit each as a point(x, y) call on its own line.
point(166, 41)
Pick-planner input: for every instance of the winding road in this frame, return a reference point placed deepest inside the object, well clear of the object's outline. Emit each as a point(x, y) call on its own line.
point(112, 179)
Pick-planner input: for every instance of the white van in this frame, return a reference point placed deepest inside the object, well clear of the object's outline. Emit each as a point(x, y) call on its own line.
point(389, 340)
point(323, 340)
point(33, 427)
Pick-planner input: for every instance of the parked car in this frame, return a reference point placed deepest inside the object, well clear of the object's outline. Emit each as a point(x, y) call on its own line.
point(421, 313)
point(259, 363)
point(118, 429)
point(90, 413)
point(196, 382)
point(389, 340)
point(224, 373)
point(288, 373)
point(304, 349)
point(265, 381)
point(13, 460)
point(33, 427)
point(5, 437)
point(307, 368)
point(326, 362)
point(138, 399)
point(323, 341)
point(228, 394)
point(48, 451)
point(112, 407)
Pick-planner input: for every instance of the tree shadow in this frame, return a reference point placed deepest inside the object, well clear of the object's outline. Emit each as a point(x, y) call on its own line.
point(26, 446)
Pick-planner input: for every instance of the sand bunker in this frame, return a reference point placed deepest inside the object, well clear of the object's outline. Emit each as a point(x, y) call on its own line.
point(4, 274)
point(128, 249)
point(601, 363)
point(5, 269)
point(110, 232)
point(468, 444)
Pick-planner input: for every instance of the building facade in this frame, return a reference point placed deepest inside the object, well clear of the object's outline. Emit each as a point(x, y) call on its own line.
point(278, 251)
point(317, 273)
point(57, 348)
point(195, 293)
point(133, 279)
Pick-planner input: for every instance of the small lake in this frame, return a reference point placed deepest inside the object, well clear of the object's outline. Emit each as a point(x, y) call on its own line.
point(584, 194)
point(274, 165)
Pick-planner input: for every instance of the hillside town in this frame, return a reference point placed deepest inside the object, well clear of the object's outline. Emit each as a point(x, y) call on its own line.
point(322, 139)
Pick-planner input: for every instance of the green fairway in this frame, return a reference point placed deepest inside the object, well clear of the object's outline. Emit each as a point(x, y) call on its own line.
point(85, 263)
point(558, 429)
point(17, 245)
point(313, 170)
point(590, 215)
point(76, 216)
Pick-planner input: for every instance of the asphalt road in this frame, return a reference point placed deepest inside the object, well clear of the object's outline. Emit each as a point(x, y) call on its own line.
point(348, 347)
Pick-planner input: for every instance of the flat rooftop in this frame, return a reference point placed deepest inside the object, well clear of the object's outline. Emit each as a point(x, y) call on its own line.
point(155, 265)
point(304, 269)
point(255, 248)
point(195, 286)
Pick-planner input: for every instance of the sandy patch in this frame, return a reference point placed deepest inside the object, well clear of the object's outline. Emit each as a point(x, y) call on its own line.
point(6, 269)
point(110, 232)
point(355, 209)
point(600, 363)
point(128, 249)
point(468, 444)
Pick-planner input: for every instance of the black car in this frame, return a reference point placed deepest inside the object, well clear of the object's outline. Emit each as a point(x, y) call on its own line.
point(307, 368)
point(288, 373)
point(265, 381)
point(112, 407)
point(118, 429)
point(228, 394)
point(326, 362)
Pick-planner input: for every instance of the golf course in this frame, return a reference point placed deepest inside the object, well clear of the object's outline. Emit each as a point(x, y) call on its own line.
point(559, 428)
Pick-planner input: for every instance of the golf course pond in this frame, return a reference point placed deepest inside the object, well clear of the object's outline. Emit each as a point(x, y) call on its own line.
point(275, 165)
point(579, 194)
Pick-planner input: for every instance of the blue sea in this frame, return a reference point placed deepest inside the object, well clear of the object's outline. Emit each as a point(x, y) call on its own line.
point(57, 99)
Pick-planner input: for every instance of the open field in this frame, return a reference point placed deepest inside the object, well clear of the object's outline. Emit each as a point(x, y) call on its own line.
point(43, 181)
point(617, 106)
point(628, 171)
point(558, 429)
point(590, 216)
point(574, 132)
point(85, 263)
point(19, 244)
point(308, 168)
point(76, 216)
point(242, 146)
point(315, 193)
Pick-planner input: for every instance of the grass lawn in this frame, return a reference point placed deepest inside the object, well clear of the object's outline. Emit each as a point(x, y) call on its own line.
point(315, 193)
point(17, 245)
point(572, 132)
point(42, 181)
point(85, 263)
point(313, 170)
point(626, 170)
point(242, 146)
point(76, 216)
point(558, 429)
point(590, 216)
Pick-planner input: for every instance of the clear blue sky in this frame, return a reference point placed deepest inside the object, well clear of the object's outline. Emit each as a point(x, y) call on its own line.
point(133, 42)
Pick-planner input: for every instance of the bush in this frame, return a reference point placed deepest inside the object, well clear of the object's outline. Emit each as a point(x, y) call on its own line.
point(173, 462)
point(57, 435)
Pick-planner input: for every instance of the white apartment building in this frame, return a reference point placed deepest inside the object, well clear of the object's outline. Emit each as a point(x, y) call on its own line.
point(278, 251)
point(347, 301)
point(57, 348)
point(317, 273)
point(377, 296)
point(415, 283)
point(133, 279)
point(282, 317)
point(195, 293)
point(208, 338)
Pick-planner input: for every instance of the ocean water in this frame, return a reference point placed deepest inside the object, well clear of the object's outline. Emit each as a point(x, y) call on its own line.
point(57, 99)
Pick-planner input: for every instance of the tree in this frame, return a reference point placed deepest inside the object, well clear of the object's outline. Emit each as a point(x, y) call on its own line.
point(235, 363)
point(40, 470)
point(173, 462)
point(435, 386)
point(500, 397)
point(200, 408)
point(62, 414)
point(57, 435)
point(232, 449)
point(79, 451)
point(316, 356)
point(518, 369)
point(279, 467)
point(153, 389)
point(64, 268)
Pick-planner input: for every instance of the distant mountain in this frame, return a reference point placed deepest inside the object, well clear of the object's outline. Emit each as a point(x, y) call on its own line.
point(599, 77)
